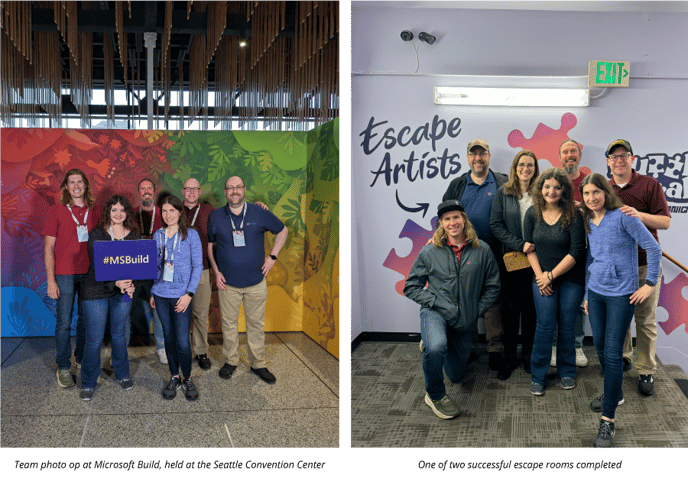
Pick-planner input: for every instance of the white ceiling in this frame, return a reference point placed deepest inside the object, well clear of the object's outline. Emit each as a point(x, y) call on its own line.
point(579, 6)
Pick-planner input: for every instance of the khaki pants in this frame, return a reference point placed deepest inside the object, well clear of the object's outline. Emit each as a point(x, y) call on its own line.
point(645, 329)
point(253, 299)
point(200, 306)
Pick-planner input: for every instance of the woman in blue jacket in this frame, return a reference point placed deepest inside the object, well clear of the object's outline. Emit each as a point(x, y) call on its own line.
point(612, 287)
point(180, 265)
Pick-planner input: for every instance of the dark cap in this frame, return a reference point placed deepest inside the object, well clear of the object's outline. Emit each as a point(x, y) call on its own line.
point(449, 205)
point(478, 143)
point(619, 142)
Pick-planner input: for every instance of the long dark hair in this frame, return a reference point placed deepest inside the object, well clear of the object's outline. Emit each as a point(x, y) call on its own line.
point(513, 185)
point(566, 204)
point(176, 204)
point(611, 200)
point(129, 223)
point(65, 197)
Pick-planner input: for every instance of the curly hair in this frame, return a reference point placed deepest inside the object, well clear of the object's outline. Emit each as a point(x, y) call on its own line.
point(65, 197)
point(129, 223)
point(469, 233)
point(565, 205)
point(611, 200)
point(513, 186)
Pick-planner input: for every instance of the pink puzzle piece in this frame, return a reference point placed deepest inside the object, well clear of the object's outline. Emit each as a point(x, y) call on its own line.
point(672, 300)
point(420, 237)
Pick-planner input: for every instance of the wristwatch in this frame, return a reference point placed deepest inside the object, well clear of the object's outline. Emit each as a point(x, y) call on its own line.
point(273, 257)
point(649, 283)
point(190, 294)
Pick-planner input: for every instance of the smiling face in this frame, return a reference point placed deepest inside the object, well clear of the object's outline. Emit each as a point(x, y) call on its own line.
point(620, 161)
point(170, 215)
point(453, 224)
point(192, 192)
point(76, 187)
point(117, 215)
point(569, 155)
point(594, 198)
point(551, 191)
point(525, 168)
point(479, 161)
point(235, 192)
point(146, 193)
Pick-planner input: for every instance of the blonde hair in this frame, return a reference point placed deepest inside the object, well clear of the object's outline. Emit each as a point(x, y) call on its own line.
point(469, 234)
point(65, 197)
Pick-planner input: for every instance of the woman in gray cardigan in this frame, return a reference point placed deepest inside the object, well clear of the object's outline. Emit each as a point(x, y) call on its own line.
point(506, 223)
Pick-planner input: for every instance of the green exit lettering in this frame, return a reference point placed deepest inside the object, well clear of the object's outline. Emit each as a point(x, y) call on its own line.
point(609, 72)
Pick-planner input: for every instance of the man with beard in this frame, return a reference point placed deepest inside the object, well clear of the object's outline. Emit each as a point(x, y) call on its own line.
point(240, 267)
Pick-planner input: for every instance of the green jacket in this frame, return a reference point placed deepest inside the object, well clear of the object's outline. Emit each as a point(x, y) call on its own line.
point(460, 294)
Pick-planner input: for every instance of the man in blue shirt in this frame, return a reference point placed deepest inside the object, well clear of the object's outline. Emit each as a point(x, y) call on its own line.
point(236, 255)
point(476, 190)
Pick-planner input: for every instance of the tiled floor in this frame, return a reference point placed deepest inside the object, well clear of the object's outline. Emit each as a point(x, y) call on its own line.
point(300, 410)
point(388, 408)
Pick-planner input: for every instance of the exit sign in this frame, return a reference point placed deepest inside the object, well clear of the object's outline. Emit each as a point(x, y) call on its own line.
point(608, 73)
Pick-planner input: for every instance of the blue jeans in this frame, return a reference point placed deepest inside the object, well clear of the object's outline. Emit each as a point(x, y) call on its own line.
point(561, 308)
point(96, 313)
point(175, 327)
point(610, 318)
point(444, 350)
point(69, 285)
point(580, 330)
point(150, 314)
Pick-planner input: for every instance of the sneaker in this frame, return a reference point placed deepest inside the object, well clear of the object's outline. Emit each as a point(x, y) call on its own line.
point(597, 404)
point(581, 359)
point(509, 365)
point(537, 389)
point(444, 408)
point(553, 360)
point(627, 365)
point(87, 394)
point(126, 383)
point(190, 389)
point(203, 361)
point(265, 374)
point(65, 378)
point(646, 385)
point(568, 383)
point(227, 370)
point(495, 361)
point(605, 435)
point(170, 391)
point(163, 356)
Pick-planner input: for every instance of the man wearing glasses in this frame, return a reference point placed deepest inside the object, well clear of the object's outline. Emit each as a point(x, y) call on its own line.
point(643, 198)
point(236, 254)
point(476, 190)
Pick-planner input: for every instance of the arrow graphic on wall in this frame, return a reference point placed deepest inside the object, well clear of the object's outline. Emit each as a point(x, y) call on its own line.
point(421, 206)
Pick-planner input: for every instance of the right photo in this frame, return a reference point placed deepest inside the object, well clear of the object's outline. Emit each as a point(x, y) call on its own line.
point(519, 207)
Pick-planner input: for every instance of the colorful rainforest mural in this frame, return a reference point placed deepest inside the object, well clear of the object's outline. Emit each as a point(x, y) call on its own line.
point(295, 173)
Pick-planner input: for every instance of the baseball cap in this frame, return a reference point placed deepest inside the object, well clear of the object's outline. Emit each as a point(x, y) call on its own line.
point(479, 143)
point(619, 142)
point(449, 205)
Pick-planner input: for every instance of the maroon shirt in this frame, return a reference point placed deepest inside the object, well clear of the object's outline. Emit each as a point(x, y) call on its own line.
point(71, 256)
point(201, 226)
point(577, 196)
point(144, 220)
point(646, 195)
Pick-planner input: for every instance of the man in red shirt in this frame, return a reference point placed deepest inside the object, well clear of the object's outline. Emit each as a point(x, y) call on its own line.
point(643, 198)
point(66, 231)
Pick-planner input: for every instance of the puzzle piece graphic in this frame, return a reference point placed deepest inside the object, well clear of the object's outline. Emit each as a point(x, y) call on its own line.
point(420, 237)
point(672, 300)
point(546, 141)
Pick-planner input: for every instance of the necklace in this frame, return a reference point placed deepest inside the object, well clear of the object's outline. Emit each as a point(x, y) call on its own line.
point(550, 217)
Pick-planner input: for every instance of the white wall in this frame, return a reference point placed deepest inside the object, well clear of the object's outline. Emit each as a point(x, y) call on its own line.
point(651, 114)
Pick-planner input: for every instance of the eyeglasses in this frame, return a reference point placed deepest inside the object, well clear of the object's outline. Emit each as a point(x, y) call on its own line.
point(483, 154)
point(191, 189)
point(525, 166)
point(621, 157)
point(234, 188)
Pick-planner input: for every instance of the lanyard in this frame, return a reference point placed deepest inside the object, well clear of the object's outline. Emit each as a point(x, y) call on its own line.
point(74, 217)
point(112, 235)
point(175, 245)
point(243, 217)
point(150, 232)
point(198, 209)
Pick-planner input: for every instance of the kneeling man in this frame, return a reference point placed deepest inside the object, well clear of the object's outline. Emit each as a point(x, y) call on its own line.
point(462, 280)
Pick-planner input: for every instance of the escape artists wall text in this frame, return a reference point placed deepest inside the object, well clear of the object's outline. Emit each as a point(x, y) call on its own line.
point(414, 166)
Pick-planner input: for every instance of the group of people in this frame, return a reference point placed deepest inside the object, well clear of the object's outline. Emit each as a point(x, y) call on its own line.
point(574, 244)
point(192, 238)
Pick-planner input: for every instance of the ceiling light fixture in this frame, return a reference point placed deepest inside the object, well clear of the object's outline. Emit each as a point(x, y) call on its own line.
point(512, 97)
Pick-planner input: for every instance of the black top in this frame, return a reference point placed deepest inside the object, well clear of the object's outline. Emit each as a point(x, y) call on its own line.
point(96, 290)
point(552, 244)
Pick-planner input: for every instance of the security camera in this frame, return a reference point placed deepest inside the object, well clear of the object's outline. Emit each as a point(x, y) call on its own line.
point(406, 35)
point(426, 37)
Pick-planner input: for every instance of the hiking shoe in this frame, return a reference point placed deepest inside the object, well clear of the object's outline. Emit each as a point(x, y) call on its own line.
point(203, 361)
point(597, 404)
point(605, 435)
point(87, 394)
point(537, 389)
point(65, 378)
point(444, 408)
point(568, 383)
point(265, 374)
point(553, 360)
point(581, 359)
point(646, 385)
point(126, 383)
point(170, 391)
point(190, 390)
point(163, 356)
point(227, 370)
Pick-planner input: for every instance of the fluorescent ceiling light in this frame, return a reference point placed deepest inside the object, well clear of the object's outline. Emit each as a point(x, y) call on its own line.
point(512, 97)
